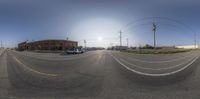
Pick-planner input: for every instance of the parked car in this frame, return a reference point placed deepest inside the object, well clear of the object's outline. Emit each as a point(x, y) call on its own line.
point(74, 51)
point(82, 50)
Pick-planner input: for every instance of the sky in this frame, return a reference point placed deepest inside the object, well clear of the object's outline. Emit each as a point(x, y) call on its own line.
point(99, 21)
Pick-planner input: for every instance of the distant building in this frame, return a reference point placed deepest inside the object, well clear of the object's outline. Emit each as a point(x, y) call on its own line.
point(188, 46)
point(48, 45)
point(94, 48)
point(22, 46)
point(118, 48)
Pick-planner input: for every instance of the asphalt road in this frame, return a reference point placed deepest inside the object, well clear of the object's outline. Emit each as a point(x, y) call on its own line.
point(99, 74)
point(156, 65)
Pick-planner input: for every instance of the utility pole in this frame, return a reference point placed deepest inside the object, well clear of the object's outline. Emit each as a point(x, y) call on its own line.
point(1, 45)
point(67, 38)
point(127, 41)
point(85, 44)
point(154, 33)
point(120, 36)
point(195, 41)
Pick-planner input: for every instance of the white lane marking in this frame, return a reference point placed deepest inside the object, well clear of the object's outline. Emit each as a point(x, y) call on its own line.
point(139, 66)
point(172, 60)
point(154, 75)
point(46, 74)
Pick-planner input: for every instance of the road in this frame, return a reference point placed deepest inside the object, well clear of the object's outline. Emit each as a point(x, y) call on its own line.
point(99, 74)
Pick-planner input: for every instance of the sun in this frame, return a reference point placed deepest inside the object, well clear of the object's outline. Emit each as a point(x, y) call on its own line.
point(99, 38)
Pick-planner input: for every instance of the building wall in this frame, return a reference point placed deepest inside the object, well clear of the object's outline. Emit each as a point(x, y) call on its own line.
point(22, 46)
point(48, 45)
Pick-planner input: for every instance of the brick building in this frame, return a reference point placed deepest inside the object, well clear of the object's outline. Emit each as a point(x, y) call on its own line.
point(48, 45)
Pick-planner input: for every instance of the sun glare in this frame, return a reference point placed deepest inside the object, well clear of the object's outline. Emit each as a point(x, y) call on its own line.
point(99, 38)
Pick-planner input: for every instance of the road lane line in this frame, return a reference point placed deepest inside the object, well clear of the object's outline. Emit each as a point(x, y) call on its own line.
point(154, 75)
point(172, 60)
point(139, 66)
point(46, 74)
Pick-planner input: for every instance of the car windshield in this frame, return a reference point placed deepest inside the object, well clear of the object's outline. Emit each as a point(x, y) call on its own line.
point(99, 49)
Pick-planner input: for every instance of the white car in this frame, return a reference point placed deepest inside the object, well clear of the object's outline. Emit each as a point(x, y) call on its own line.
point(73, 51)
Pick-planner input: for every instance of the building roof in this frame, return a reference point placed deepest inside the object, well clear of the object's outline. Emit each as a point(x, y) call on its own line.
point(22, 43)
point(53, 40)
